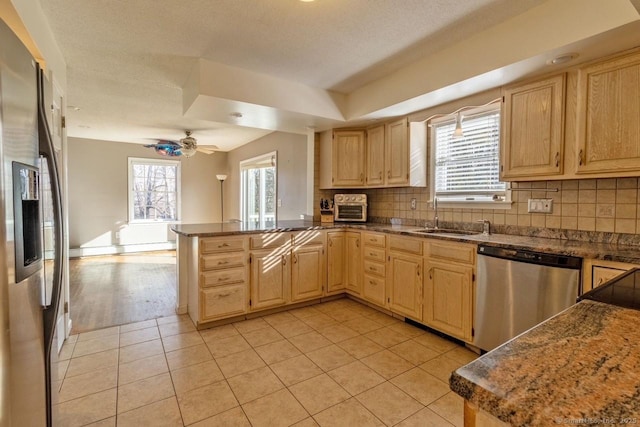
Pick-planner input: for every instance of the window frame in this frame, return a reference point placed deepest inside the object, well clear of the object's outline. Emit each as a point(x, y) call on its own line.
point(131, 204)
point(245, 165)
point(452, 202)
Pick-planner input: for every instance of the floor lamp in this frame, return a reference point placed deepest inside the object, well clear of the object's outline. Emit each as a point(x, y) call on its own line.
point(221, 178)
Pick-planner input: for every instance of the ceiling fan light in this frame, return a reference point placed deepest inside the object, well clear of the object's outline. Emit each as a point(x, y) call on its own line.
point(188, 151)
point(189, 145)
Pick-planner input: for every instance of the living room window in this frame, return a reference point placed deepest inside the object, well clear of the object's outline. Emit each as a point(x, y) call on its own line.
point(154, 190)
point(258, 188)
point(466, 159)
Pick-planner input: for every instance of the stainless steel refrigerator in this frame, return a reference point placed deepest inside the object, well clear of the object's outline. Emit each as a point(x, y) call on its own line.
point(31, 276)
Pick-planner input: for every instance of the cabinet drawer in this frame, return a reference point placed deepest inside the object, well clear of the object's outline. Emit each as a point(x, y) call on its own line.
point(270, 240)
point(311, 237)
point(458, 252)
point(373, 289)
point(372, 267)
point(404, 244)
point(212, 262)
point(222, 301)
point(223, 277)
point(374, 239)
point(222, 244)
point(373, 253)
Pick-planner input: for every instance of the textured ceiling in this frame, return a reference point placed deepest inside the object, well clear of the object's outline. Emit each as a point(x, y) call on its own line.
point(128, 60)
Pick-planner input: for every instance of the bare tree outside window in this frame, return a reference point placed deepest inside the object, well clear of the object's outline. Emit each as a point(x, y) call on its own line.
point(154, 190)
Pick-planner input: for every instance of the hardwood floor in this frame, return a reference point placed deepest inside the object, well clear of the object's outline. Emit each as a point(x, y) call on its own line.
point(118, 289)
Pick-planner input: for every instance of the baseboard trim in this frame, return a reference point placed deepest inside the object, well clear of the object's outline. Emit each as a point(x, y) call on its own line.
point(121, 249)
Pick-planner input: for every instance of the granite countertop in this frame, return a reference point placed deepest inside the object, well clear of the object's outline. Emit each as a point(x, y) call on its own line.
point(580, 367)
point(604, 251)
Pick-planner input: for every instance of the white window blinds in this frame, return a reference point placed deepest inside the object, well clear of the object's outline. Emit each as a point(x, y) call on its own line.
point(467, 168)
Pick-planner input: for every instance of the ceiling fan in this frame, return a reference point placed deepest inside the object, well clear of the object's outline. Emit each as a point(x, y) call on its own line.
point(187, 147)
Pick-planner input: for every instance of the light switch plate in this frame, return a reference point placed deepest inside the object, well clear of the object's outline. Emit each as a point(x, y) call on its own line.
point(540, 206)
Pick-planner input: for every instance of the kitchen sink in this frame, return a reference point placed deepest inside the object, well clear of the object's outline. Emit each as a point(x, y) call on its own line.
point(445, 231)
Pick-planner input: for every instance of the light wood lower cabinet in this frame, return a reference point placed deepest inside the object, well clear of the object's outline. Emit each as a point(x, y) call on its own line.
point(336, 258)
point(353, 264)
point(374, 282)
point(308, 273)
point(597, 272)
point(222, 278)
point(223, 301)
point(270, 278)
point(448, 294)
point(404, 280)
point(404, 276)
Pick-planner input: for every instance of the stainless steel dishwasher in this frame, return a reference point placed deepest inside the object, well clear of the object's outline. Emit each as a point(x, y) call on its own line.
point(517, 289)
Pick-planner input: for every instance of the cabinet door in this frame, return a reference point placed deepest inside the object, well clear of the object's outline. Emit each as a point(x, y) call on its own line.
point(270, 278)
point(608, 134)
point(405, 285)
point(336, 256)
point(307, 279)
point(354, 262)
point(397, 153)
point(533, 129)
point(348, 159)
point(375, 156)
point(448, 299)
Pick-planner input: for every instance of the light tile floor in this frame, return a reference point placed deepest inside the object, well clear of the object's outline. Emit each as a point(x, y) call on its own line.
point(338, 363)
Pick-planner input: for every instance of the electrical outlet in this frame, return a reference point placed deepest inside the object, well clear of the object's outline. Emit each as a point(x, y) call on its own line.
point(414, 204)
point(540, 206)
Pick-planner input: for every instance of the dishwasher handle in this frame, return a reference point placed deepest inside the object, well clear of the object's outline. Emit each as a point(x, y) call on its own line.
point(531, 257)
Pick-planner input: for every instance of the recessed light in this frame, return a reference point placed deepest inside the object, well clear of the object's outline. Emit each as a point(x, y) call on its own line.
point(563, 59)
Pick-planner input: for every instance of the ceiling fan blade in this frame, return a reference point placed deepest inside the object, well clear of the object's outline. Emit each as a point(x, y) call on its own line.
point(207, 149)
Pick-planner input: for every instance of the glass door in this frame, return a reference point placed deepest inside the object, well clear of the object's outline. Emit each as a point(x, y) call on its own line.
point(258, 187)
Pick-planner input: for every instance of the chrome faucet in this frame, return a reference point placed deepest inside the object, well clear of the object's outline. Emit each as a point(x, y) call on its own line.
point(435, 213)
point(486, 226)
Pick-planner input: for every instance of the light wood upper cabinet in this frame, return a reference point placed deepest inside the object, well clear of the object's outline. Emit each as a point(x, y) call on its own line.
point(608, 128)
point(388, 155)
point(397, 153)
point(348, 155)
point(270, 278)
point(336, 258)
point(533, 129)
point(375, 156)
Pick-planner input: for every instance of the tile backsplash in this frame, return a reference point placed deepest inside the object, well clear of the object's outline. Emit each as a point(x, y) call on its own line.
point(609, 205)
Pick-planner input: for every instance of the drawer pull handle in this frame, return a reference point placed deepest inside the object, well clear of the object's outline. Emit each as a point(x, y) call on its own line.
point(361, 177)
point(221, 279)
point(372, 283)
point(224, 295)
point(357, 243)
point(295, 258)
point(330, 243)
point(284, 260)
point(557, 158)
point(223, 262)
point(373, 269)
point(388, 174)
point(580, 161)
point(224, 245)
point(380, 175)
point(372, 254)
point(431, 273)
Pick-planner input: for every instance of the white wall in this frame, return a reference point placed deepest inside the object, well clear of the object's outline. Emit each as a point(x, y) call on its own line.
point(292, 173)
point(98, 195)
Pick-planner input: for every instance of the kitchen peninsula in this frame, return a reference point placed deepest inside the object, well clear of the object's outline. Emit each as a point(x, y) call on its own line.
point(226, 270)
point(579, 367)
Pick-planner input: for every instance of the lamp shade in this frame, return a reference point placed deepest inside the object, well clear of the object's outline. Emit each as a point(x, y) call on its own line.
point(221, 177)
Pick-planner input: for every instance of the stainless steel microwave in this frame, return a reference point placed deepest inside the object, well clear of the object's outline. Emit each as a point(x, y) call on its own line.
point(350, 207)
